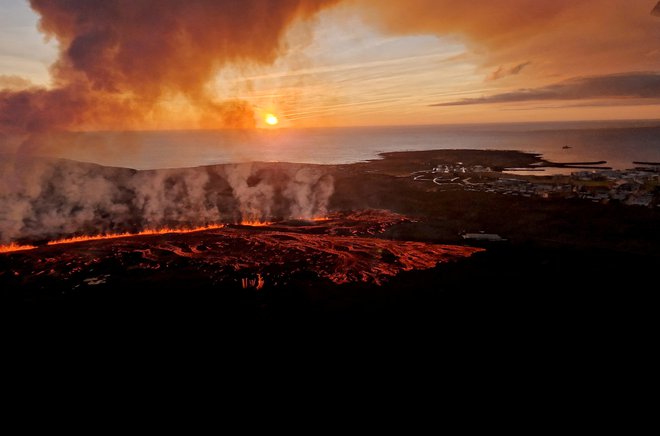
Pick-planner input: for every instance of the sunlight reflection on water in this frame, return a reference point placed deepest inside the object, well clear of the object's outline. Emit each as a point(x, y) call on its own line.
point(618, 143)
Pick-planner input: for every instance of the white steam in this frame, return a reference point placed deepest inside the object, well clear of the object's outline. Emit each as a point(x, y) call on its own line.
point(309, 191)
point(43, 199)
point(254, 202)
point(304, 192)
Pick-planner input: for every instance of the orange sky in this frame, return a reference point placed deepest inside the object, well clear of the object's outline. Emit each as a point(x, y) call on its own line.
point(124, 64)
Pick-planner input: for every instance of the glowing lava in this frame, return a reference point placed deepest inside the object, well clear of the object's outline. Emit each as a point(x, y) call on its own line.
point(17, 247)
point(271, 120)
point(255, 223)
point(344, 249)
point(260, 223)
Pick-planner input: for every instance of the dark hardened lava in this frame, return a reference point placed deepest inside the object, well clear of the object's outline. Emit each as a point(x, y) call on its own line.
point(345, 248)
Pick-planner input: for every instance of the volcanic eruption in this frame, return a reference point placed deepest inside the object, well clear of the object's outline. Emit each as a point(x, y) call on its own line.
point(113, 72)
point(121, 60)
point(344, 248)
point(66, 224)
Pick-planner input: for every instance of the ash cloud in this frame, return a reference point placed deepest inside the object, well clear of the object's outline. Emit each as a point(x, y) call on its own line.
point(14, 83)
point(119, 60)
point(120, 63)
point(48, 199)
point(620, 86)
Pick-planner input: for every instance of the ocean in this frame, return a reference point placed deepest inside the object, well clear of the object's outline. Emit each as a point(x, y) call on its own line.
point(617, 142)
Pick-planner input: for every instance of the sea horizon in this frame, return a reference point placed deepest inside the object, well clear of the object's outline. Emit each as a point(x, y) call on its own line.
point(618, 142)
point(544, 125)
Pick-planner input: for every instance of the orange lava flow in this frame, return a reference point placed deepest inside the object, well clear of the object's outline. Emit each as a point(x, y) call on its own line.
point(254, 223)
point(16, 247)
point(259, 223)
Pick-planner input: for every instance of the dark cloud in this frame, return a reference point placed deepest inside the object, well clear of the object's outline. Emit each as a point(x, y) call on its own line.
point(119, 59)
point(641, 85)
point(502, 71)
point(150, 46)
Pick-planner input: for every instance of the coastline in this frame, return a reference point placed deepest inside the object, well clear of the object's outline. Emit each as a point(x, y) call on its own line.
point(557, 253)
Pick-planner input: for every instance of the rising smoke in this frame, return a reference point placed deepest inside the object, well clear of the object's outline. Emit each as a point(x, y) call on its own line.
point(121, 61)
point(299, 192)
point(49, 199)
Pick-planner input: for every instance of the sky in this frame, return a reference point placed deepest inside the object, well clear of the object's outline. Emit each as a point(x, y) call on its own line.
point(145, 64)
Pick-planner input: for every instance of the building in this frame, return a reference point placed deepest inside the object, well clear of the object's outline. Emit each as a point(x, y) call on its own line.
point(484, 237)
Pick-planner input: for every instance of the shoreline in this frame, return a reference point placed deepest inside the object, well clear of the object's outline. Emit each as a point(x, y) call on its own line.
point(498, 160)
point(600, 249)
point(504, 159)
point(489, 172)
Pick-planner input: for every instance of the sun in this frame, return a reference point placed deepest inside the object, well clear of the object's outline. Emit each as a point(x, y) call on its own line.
point(271, 120)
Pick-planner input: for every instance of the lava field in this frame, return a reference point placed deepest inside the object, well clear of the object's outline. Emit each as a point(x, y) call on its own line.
point(342, 248)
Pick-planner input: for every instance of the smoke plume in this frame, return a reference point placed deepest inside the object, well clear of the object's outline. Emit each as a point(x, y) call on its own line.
point(121, 61)
point(14, 82)
point(309, 191)
point(299, 192)
point(48, 199)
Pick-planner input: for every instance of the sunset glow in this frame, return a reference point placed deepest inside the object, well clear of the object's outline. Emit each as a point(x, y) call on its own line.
point(436, 62)
point(332, 161)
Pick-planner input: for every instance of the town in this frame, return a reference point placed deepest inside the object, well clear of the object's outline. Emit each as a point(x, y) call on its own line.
point(636, 187)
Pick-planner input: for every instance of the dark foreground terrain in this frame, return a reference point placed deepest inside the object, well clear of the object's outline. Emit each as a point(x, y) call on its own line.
point(391, 250)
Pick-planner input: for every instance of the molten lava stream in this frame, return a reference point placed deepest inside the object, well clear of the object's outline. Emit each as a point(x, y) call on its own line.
point(255, 223)
point(17, 247)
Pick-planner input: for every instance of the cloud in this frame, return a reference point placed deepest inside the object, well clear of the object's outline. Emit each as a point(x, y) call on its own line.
point(120, 61)
point(561, 38)
point(501, 71)
point(123, 62)
point(14, 82)
point(642, 85)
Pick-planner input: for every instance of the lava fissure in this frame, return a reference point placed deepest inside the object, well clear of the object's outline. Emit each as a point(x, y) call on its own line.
point(340, 249)
point(12, 247)
point(9, 248)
